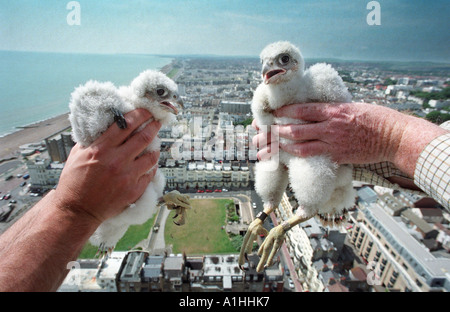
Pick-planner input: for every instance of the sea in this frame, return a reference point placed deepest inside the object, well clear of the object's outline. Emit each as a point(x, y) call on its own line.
point(36, 86)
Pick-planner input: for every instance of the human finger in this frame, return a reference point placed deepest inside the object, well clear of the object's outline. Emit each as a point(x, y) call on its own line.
point(306, 149)
point(263, 139)
point(254, 124)
point(148, 176)
point(115, 136)
point(307, 111)
point(267, 153)
point(142, 182)
point(303, 132)
point(137, 143)
point(146, 162)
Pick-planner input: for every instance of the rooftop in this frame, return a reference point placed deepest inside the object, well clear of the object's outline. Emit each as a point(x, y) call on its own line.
point(434, 270)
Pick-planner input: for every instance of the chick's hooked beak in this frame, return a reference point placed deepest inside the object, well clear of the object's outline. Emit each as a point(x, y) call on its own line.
point(271, 72)
point(174, 105)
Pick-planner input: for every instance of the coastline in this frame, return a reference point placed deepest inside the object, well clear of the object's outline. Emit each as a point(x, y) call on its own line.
point(31, 133)
point(35, 132)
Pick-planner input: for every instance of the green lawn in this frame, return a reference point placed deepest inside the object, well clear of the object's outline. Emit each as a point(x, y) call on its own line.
point(133, 236)
point(202, 233)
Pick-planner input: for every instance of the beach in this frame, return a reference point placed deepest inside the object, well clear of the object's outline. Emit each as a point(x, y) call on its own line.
point(9, 144)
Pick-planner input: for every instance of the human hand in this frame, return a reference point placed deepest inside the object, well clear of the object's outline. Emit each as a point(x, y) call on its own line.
point(345, 131)
point(254, 229)
point(352, 133)
point(101, 180)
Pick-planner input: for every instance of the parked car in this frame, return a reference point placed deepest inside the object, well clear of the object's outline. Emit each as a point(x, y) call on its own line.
point(200, 191)
point(217, 190)
point(208, 191)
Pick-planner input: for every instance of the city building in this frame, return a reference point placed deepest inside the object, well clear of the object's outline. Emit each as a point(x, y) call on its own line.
point(137, 271)
point(202, 175)
point(395, 241)
point(44, 174)
point(59, 146)
point(129, 277)
point(400, 260)
point(234, 108)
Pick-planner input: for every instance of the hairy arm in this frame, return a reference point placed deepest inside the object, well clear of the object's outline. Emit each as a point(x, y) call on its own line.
point(356, 133)
point(36, 250)
point(97, 183)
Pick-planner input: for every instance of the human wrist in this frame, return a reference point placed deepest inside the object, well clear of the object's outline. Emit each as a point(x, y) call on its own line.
point(413, 137)
point(73, 210)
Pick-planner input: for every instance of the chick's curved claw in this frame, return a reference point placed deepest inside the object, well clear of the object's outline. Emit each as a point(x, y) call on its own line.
point(179, 202)
point(182, 219)
point(254, 229)
point(270, 247)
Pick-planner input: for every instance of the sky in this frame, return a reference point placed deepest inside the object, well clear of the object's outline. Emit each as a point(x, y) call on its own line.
point(409, 30)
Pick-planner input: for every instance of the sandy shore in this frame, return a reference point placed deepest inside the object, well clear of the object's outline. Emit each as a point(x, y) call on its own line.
point(9, 145)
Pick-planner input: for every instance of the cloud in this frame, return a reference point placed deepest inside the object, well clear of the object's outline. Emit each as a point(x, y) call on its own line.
point(322, 28)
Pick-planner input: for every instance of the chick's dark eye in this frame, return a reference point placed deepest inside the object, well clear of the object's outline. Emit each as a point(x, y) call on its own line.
point(160, 92)
point(284, 59)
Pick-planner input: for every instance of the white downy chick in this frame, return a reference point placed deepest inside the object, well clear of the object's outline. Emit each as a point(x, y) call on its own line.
point(95, 106)
point(320, 186)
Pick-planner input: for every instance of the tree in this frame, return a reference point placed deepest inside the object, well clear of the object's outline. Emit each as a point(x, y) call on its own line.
point(437, 117)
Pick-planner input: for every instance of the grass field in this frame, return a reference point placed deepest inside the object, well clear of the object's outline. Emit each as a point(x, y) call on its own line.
point(202, 233)
point(133, 236)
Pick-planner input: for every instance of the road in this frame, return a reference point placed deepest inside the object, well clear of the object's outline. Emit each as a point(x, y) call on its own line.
point(18, 193)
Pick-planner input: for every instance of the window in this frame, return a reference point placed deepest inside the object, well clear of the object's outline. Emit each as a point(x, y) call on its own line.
point(418, 283)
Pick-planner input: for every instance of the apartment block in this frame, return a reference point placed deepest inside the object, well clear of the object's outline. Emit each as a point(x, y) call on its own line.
point(387, 243)
point(206, 175)
point(138, 271)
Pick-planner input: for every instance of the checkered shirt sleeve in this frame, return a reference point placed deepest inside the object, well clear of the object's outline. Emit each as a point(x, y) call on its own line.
point(432, 172)
point(377, 174)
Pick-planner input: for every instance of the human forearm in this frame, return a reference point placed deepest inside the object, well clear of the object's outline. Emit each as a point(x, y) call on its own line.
point(35, 251)
point(357, 133)
point(415, 134)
